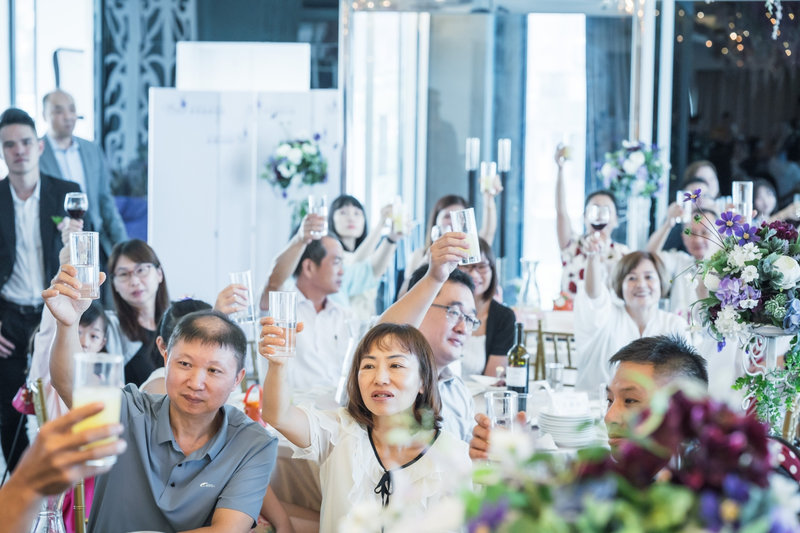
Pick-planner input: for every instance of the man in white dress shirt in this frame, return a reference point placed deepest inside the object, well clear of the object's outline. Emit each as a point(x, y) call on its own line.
point(71, 158)
point(441, 305)
point(321, 348)
point(31, 205)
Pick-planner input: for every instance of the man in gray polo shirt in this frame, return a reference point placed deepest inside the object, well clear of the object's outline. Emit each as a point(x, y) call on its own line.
point(193, 463)
point(441, 305)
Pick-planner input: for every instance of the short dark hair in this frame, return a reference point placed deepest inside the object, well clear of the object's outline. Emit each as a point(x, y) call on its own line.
point(602, 192)
point(344, 201)
point(211, 327)
point(93, 312)
point(411, 340)
point(456, 276)
point(175, 312)
point(630, 261)
point(14, 115)
point(314, 251)
point(486, 250)
point(671, 356)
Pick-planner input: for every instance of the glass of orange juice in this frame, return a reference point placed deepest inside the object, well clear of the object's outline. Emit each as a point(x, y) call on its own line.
point(98, 377)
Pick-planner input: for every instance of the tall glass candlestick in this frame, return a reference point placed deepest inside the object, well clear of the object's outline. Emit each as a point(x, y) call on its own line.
point(473, 151)
point(504, 167)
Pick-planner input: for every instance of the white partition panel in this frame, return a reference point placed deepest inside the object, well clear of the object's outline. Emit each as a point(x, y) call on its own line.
point(210, 212)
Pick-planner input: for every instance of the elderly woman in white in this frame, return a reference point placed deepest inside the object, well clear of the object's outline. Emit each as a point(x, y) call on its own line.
point(605, 322)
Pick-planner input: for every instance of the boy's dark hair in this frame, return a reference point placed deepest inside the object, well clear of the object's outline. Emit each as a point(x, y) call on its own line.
point(670, 355)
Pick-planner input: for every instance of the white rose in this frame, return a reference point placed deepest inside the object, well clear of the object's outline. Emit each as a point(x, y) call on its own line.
point(294, 156)
point(309, 148)
point(285, 171)
point(790, 270)
point(283, 150)
point(633, 162)
point(711, 281)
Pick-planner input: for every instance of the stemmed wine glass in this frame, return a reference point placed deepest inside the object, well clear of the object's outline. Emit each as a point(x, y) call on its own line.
point(76, 204)
point(598, 216)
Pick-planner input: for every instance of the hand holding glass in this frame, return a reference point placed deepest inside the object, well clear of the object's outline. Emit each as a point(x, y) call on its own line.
point(283, 309)
point(98, 377)
point(501, 408)
point(318, 205)
point(463, 220)
point(248, 314)
point(76, 204)
point(84, 254)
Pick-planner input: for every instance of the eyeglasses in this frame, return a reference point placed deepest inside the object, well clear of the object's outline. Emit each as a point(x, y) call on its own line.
point(482, 267)
point(141, 272)
point(454, 316)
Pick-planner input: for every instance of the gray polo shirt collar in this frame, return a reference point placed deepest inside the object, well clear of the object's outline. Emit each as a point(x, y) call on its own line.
point(211, 448)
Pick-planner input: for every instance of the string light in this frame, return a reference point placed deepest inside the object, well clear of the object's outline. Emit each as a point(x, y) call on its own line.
point(679, 38)
point(724, 51)
point(708, 43)
point(732, 36)
point(700, 14)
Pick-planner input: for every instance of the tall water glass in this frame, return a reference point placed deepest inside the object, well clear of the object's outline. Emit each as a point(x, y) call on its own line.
point(283, 309)
point(84, 254)
point(743, 199)
point(248, 314)
point(318, 205)
point(501, 408)
point(98, 377)
point(463, 220)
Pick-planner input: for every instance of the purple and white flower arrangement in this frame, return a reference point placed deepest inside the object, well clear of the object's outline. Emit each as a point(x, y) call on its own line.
point(298, 160)
point(752, 279)
point(633, 170)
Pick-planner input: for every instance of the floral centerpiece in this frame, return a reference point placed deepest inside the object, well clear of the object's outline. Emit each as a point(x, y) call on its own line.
point(633, 170)
point(753, 282)
point(294, 161)
point(724, 481)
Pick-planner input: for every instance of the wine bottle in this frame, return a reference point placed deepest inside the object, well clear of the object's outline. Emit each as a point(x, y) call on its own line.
point(517, 371)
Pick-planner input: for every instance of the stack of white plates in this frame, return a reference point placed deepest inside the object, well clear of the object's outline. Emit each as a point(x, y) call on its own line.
point(574, 430)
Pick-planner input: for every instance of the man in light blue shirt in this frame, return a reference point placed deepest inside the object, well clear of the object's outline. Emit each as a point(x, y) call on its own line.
point(193, 463)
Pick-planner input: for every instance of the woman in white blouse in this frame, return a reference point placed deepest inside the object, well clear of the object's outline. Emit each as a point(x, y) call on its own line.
point(605, 322)
point(392, 393)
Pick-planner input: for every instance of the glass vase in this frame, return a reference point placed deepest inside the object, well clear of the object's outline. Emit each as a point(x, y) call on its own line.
point(49, 519)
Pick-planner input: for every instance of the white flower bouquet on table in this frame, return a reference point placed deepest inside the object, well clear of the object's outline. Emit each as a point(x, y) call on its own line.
point(633, 170)
point(295, 161)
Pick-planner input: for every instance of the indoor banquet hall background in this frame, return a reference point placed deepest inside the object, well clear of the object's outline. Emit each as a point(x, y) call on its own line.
point(218, 120)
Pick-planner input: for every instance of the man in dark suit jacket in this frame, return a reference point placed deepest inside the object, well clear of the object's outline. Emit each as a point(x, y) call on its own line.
point(74, 159)
point(29, 245)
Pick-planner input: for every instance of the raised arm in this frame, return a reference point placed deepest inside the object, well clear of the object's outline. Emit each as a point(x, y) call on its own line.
point(62, 301)
point(287, 260)
point(53, 463)
point(366, 249)
point(276, 408)
point(656, 242)
point(563, 223)
point(595, 273)
point(445, 254)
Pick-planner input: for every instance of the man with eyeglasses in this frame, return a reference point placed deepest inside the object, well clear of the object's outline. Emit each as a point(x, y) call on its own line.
point(441, 305)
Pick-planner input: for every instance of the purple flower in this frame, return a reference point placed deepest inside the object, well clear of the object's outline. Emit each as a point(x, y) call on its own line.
point(750, 293)
point(746, 233)
point(784, 230)
point(491, 516)
point(692, 196)
point(709, 510)
point(736, 488)
point(720, 345)
point(728, 223)
point(317, 136)
point(729, 291)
